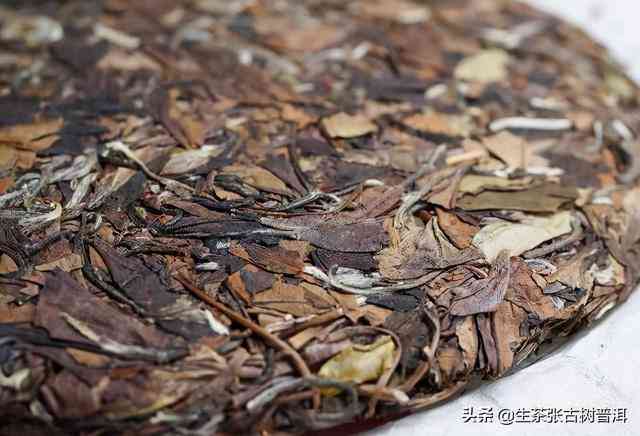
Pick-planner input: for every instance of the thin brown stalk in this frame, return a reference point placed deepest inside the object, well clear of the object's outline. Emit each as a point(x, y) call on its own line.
point(275, 341)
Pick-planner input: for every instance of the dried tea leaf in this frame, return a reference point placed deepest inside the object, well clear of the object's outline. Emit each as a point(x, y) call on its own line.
point(87, 358)
point(258, 178)
point(33, 137)
point(506, 323)
point(435, 123)
point(296, 115)
point(576, 273)
point(136, 279)
point(509, 148)
point(26, 159)
point(342, 125)
point(485, 66)
point(34, 30)
point(312, 37)
point(361, 237)
point(250, 279)
point(398, 301)
point(120, 59)
point(527, 294)
point(619, 86)
point(611, 275)
point(6, 183)
point(516, 238)
point(186, 161)
point(468, 341)
point(450, 362)
point(483, 295)
point(459, 232)
point(185, 126)
point(414, 334)
point(273, 259)
point(299, 340)
point(542, 198)
point(10, 313)
point(421, 250)
point(402, 11)
point(63, 294)
point(68, 263)
point(249, 193)
point(359, 363)
point(7, 264)
point(474, 183)
point(8, 157)
point(294, 299)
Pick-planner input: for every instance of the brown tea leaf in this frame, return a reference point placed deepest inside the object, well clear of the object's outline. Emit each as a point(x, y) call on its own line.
point(509, 148)
point(506, 323)
point(294, 299)
point(516, 238)
point(342, 125)
point(273, 259)
point(485, 66)
point(361, 237)
point(468, 342)
point(459, 232)
point(483, 295)
point(33, 137)
point(8, 157)
point(359, 363)
point(63, 294)
point(68, 263)
point(543, 198)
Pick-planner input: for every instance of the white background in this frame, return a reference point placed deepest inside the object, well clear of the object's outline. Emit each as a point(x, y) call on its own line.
point(601, 367)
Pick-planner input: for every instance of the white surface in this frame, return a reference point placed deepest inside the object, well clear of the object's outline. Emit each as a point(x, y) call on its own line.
point(601, 369)
point(612, 22)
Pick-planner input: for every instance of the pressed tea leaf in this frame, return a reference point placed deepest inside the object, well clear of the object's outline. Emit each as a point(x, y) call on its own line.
point(361, 237)
point(485, 66)
point(359, 363)
point(516, 238)
point(483, 295)
point(343, 125)
point(212, 213)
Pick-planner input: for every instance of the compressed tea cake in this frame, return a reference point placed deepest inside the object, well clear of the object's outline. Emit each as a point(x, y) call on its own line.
point(282, 217)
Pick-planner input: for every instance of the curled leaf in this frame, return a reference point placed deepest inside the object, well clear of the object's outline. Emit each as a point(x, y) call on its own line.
point(342, 125)
point(365, 236)
point(486, 66)
point(186, 161)
point(486, 294)
point(517, 238)
point(358, 364)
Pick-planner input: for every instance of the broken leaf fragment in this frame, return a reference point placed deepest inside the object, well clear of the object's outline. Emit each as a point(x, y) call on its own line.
point(359, 363)
point(486, 294)
point(517, 238)
point(402, 11)
point(439, 123)
point(509, 148)
point(8, 157)
point(619, 86)
point(546, 197)
point(34, 30)
point(486, 66)
point(474, 184)
point(183, 162)
point(36, 136)
point(361, 237)
point(342, 125)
